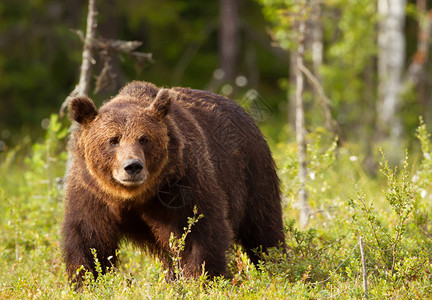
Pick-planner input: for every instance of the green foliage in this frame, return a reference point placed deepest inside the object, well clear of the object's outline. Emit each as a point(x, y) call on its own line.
point(422, 181)
point(31, 211)
point(47, 160)
point(37, 76)
point(305, 250)
point(385, 238)
point(283, 14)
point(321, 153)
point(348, 79)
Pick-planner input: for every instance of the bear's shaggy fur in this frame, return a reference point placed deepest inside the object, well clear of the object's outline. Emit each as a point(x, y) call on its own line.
point(148, 156)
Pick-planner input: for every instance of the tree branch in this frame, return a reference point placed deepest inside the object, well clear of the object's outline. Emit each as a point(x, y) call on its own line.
point(87, 57)
point(324, 100)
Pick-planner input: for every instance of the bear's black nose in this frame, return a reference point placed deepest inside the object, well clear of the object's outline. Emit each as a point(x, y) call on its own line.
point(133, 166)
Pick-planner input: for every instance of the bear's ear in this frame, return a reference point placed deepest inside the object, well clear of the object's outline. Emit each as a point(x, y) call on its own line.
point(160, 105)
point(82, 110)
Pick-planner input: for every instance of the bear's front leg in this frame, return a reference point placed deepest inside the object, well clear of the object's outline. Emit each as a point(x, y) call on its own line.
point(88, 225)
point(197, 255)
point(206, 246)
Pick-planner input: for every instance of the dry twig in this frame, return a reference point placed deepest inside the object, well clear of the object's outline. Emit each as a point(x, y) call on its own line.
point(106, 48)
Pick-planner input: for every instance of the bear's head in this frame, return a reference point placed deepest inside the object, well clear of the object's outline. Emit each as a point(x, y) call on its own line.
point(125, 143)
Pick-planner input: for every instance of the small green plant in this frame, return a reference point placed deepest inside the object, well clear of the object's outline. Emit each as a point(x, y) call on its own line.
point(321, 153)
point(400, 196)
point(107, 284)
point(177, 245)
point(47, 162)
point(385, 237)
point(305, 259)
point(423, 186)
point(240, 266)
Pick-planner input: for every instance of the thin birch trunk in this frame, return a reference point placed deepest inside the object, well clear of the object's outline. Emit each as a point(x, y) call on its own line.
point(300, 126)
point(391, 55)
point(314, 44)
point(316, 36)
point(363, 260)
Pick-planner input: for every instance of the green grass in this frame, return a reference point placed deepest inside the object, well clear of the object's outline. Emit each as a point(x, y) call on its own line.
point(391, 211)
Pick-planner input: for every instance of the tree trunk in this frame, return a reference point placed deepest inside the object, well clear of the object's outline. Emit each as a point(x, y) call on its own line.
point(316, 37)
point(87, 57)
point(229, 38)
point(292, 88)
point(415, 74)
point(83, 86)
point(391, 55)
point(300, 126)
point(109, 28)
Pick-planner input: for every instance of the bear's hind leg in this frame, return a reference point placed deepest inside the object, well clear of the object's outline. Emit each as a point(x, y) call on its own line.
point(262, 228)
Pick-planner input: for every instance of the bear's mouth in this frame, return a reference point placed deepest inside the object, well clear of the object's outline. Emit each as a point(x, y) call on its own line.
point(131, 181)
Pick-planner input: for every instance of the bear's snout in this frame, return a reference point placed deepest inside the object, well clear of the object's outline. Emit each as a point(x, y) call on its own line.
point(131, 171)
point(133, 166)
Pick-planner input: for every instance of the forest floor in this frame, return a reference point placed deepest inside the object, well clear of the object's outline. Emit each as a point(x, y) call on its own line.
point(390, 211)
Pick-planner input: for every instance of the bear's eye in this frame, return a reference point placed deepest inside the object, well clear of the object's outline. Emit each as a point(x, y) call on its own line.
point(114, 140)
point(143, 140)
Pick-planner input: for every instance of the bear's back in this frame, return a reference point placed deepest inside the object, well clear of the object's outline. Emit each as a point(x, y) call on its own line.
point(197, 102)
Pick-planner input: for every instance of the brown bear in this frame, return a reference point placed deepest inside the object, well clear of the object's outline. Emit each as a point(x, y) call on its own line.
point(146, 158)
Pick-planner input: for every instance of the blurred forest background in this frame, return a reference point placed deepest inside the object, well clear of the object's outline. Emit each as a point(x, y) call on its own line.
point(370, 61)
